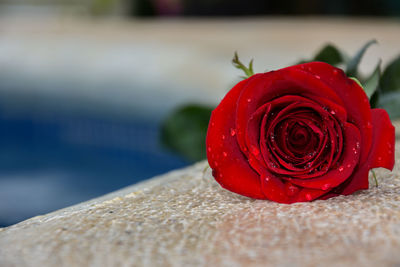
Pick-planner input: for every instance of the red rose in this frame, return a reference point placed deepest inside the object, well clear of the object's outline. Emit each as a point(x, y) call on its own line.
point(297, 134)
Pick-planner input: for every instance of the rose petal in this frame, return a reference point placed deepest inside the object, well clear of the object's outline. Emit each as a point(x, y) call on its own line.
point(336, 176)
point(276, 190)
point(383, 140)
point(381, 154)
point(252, 137)
point(231, 169)
point(262, 88)
point(355, 101)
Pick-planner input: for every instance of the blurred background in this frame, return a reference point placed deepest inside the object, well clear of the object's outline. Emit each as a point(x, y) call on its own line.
point(85, 85)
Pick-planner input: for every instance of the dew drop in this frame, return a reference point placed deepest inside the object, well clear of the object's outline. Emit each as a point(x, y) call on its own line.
point(209, 149)
point(216, 163)
point(326, 186)
point(224, 154)
point(341, 168)
point(267, 179)
point(212, 124)
point(308, 197)
point(233, 132)
point(348, 165)
point(379, 158)
point(335, 72)
point(291, 190)
point(318, 77)
point(223, 137)
point(254, 151)
point(333, 112)
point(249, 100)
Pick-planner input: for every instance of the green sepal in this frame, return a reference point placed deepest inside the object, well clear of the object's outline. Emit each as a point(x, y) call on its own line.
point(357, 81)
point(352, 64)
point(329, 54)
point(390, 80)
point(248, 71)
point(391, 103)
point(371, 84)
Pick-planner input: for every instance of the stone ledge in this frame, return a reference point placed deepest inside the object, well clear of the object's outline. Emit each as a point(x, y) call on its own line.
point(185, 218)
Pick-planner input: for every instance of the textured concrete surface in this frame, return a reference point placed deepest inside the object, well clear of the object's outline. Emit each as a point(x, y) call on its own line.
point(185, 219)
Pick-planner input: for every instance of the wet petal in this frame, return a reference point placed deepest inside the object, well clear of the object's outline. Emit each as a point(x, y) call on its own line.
point(232, 171)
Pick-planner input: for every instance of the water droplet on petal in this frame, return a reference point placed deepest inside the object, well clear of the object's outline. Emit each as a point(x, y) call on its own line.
point(318, 77)
point(348, 165)
point(341, 168)
point(255, 151)
point(308, 197)
point(233, 132)
point(249, 100)
point(209, 149)
point(223, 137)
point(216, 163)
point(291, 190)
point(326, 186)
point(333, 112)
point(267, 179)
point(224, 154)
point(335, 72)
point(379, 158)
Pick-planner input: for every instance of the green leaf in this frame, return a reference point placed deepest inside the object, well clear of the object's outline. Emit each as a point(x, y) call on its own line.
point(329, 54)
point(184, 131)
point(352, 64)
point(390, 80)
point(390, 102)
point(371, 85)
point(248, 71)
point(374, 100)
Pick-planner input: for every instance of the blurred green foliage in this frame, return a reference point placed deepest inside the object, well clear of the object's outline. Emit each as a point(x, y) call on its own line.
point(184, 131)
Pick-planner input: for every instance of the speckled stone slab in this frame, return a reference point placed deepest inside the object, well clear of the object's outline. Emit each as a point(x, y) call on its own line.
point(184, 218)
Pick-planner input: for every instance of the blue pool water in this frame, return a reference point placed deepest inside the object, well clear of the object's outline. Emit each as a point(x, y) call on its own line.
point(51, 161)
